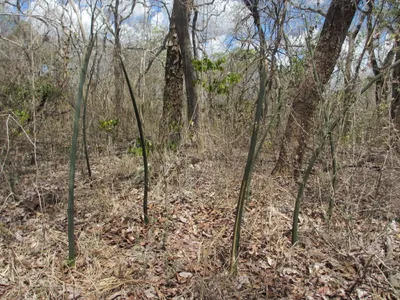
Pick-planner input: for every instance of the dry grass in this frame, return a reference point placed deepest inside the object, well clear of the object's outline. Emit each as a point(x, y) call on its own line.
point(184, 252)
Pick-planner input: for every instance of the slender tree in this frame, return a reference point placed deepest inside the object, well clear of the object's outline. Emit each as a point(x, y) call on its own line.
point(381, 86)
point(183, 10)
point(118, 80)
point(395, 104)
point(120, 11)
point(350, 76)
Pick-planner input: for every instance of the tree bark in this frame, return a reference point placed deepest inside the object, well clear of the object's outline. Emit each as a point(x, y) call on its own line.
point(194, 24)
point(395, 104)
point(350, 78)
point(183, 8)
point(252, 5)
point(307, 95)
point(171, 123)
point(381, 85)
point(118, 79)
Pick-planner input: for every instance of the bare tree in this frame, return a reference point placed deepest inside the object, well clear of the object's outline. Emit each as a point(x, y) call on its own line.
point(183, 10)
point(350, 76)
point(119, 14)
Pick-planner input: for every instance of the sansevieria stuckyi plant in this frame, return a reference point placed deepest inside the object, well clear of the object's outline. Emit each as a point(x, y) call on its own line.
point(247, 173)
point(79, 97)
point(84, 127)
point(143, 144)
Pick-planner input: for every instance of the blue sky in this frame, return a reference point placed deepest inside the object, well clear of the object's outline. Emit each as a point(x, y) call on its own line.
point(150, 22)
point(221, 18)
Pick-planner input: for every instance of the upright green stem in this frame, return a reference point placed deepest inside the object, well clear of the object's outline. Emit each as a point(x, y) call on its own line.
point(300, 192)
point(260, 144)
point(334, 177)
point(85, 148)
point(247, 173)
point(82, 77)
point(140, 127)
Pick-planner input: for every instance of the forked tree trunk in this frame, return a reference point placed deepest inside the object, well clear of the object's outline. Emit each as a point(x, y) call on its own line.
point(307, 94)
point(171, 123)
point(183, 8)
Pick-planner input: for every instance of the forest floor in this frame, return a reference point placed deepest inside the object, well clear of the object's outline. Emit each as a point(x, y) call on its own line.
point(184, 252)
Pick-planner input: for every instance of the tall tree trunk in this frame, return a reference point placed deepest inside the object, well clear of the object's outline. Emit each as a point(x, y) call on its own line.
point(194, 24)
point(183, 8)
point(171, 123)
point(350, 78)
point(319, 70)
point(381, 85)
point(65, 55)
point(252, 5)
point(118, 79)
point(395, 104)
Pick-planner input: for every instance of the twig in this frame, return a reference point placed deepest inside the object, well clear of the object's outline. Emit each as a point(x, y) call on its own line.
point(362, 278)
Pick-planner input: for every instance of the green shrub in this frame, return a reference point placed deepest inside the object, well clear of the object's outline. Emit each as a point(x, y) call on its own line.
point(136, 148)
point(108, 125)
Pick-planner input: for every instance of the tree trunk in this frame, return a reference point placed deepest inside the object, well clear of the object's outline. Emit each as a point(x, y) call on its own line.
point(171, 123)
point(194, 24)
point(395, 104)
point(381, 85)
point(65, 56)
point(118, 79)
point(307, 94)
point(350, 78)
point(252, 5)
point(183, 8)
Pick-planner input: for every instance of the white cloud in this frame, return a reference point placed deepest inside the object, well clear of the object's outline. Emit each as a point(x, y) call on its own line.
point(311, 3)
point(221, 17)
point(216, 45)
point(57, 16)
point(160, 20)
point(141, 10)
point(52, 12)
point(217, 24)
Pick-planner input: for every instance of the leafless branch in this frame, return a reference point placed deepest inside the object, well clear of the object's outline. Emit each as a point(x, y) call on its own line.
point(310, 9)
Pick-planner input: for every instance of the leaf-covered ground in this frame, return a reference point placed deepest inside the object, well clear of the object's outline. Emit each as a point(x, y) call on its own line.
point(184, 253)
